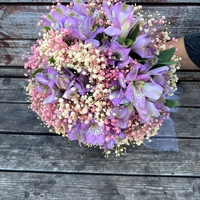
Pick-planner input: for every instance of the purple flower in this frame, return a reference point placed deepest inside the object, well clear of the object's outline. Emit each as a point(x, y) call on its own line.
point(118, 97)
point(88, 133)
point(95, 135)
point(77, 132)
point(160, 105)
point(122, 18)
point(140, 46)
point(131, 76)
point(83, 27)
point(119, 54)
point(143, 95)
point(60, 85)
point(77, 85)
point(46, 83)
point(57, 17)
point(109, 144)
point(123, 114)
point(79, 7)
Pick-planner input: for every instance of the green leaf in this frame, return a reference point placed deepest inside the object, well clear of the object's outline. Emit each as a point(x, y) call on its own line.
point(119, 140)
point(166, 63)
point(129, 42)
point(166, 56)
point(99, 37)
point(50, 18)
point(67, 42)
point(171, 103)
point(47, 28)
point(122, 41)
point(112, 88)
point(169, 63)
point(134, 33)
point(36, 71)
point(51, 60)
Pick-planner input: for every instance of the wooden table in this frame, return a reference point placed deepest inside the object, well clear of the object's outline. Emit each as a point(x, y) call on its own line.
point(36, 164)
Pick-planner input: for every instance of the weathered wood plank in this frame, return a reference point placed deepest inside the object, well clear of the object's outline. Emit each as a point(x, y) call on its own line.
point(23, 19)
point(13, 90)
point(57, 154)
point(12, 72)
point(186, 122)
point(189, 75)
point(11, 51)
point(89, 187)
point(18, 118)
point(191, 91)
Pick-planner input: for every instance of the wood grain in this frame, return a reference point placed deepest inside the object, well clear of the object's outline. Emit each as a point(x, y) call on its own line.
point(37, 164)
point(191, 91)
point(19, 21)
point(95, 187)
point(13, 90)
point(189, 75)
point(11, 51)
point(12, 72)
point(18, 118)
point(57, 154)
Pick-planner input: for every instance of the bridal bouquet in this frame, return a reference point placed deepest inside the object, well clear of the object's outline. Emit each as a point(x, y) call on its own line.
point(102, 74)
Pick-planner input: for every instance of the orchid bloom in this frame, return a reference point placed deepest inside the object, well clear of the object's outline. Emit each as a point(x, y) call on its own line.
point(91, 133)
point(143, 95)
point(140, 46)
point(95, 135)
point(122, 18)
point(83, 27)
point(57, 17)
point(60, 85)
point(117, 54)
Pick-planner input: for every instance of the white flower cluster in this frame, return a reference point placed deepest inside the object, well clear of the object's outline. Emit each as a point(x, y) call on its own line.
point(86, 60)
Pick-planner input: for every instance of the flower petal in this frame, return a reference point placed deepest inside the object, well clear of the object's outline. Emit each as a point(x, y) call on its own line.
point(159, 70)
point(153, 91)
point(42, 79)
point(68, 93)
point(110, 143)
point(50, 99)
point(121, 79)
point(143, 114)
point(122, 123)
point(94, 42)
point(119, 112)
point(112, 31)
point(152, 110)
point(161, 80)
point(133, 73)
point(136, 95)
point(101, 139)
point(143, 77)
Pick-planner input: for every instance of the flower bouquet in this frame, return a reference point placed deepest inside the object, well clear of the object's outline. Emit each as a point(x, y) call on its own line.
point(102, 74)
